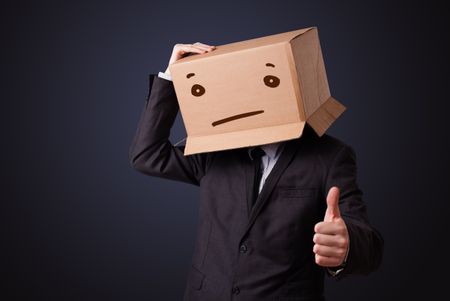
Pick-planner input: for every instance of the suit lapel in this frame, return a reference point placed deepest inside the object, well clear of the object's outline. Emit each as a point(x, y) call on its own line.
point(285, 158)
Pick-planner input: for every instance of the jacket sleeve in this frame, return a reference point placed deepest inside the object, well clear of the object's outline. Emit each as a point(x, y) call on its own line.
point(151, 152)
point(366, 243)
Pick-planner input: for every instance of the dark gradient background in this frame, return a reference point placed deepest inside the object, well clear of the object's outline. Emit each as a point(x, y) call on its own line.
point(78, 223)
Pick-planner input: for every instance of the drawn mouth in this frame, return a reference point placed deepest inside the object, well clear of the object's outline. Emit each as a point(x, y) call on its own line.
point(238, 116)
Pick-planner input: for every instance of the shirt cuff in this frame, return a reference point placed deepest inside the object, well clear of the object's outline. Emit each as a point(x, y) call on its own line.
point(334, 273)
point(165, 76)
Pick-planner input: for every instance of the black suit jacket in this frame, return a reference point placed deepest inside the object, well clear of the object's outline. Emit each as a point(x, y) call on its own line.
point(265, 253)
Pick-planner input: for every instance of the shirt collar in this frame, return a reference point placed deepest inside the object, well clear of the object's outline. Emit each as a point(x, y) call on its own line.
point(272, 150)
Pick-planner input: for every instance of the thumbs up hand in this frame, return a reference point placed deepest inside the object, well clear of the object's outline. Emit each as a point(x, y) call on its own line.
point(331, 238)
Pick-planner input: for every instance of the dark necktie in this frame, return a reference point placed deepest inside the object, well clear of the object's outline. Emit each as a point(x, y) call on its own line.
point(257, 153)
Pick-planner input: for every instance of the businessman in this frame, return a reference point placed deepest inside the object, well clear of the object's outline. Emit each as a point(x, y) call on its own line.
point(273, 219)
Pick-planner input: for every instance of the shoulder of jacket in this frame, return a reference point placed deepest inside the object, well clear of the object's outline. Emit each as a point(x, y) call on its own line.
point(332, 142)
point(325, 147)
point(327, 141)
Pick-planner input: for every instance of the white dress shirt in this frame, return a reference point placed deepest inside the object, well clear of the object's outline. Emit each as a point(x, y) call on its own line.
point(272, 153)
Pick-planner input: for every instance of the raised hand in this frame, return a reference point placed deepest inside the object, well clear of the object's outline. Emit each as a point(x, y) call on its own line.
point(181, 50)
point(331, 238)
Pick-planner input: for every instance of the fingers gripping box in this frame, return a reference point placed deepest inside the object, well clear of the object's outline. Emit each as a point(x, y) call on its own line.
point(254, 92)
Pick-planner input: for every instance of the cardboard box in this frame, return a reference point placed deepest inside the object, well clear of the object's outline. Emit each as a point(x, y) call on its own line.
point(254, 92)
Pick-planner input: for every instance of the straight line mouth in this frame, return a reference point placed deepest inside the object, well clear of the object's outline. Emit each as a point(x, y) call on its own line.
point(238, 116)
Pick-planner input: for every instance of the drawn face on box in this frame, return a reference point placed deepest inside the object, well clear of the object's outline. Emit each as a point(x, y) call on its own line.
point(239, 91)
point(271, 81)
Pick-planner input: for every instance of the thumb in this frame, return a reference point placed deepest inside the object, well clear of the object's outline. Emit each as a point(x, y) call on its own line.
point(332, 205)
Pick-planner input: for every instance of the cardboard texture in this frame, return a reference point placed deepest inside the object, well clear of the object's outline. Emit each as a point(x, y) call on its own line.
point(254, 92)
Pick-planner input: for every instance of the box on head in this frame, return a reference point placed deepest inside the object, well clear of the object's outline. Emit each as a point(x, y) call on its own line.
point(254, 92)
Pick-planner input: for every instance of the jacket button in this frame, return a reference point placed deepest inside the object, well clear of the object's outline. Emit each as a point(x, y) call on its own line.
point(243, 248)
point(236, 290)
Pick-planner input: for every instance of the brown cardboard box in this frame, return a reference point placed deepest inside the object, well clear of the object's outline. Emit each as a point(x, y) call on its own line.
point(254, 92)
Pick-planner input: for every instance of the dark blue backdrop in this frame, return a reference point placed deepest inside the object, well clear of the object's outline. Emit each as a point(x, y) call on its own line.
point(79, 224)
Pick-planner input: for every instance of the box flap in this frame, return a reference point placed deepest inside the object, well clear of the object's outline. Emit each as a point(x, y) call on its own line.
point(325, 115)
point(311, 73)
point(244, 138)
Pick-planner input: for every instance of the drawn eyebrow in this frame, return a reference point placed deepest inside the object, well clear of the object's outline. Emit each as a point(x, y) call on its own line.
point(190, 75)
point(270, 65)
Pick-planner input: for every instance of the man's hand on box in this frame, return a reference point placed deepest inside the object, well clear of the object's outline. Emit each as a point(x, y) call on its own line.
point(182, 50)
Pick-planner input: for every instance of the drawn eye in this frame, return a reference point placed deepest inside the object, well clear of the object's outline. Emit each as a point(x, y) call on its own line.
point(271, 81)
point(197, 90)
